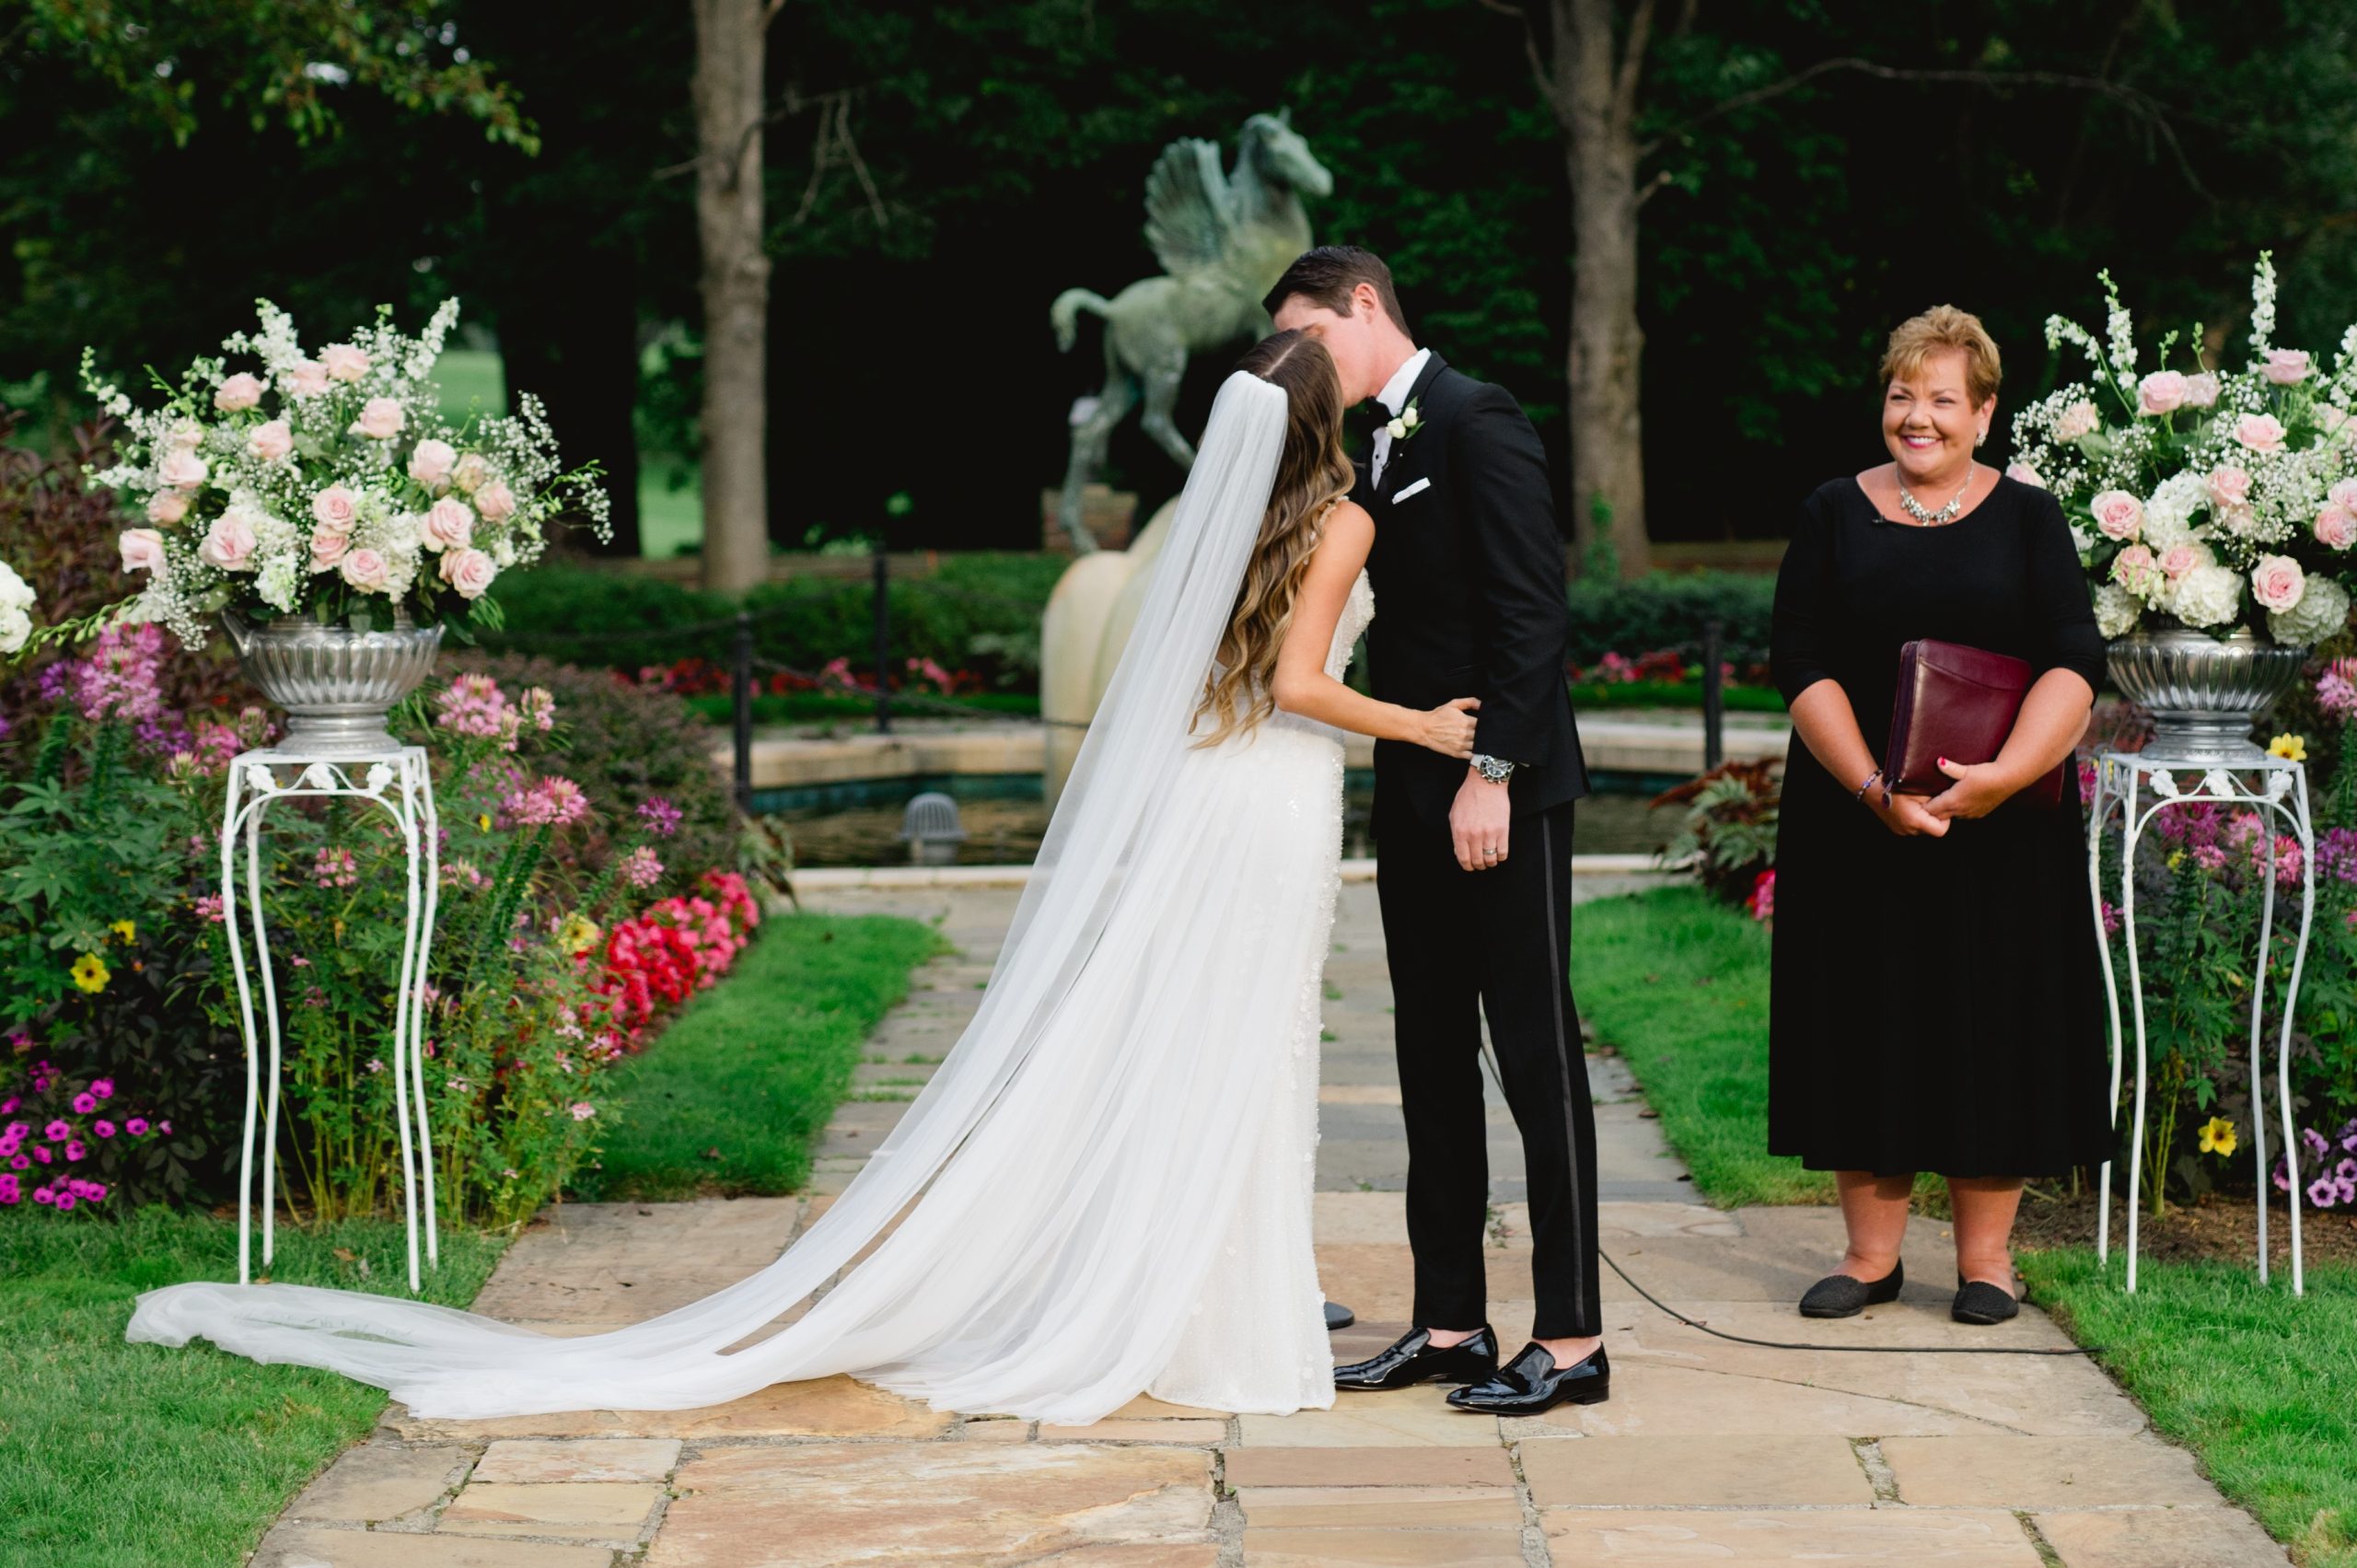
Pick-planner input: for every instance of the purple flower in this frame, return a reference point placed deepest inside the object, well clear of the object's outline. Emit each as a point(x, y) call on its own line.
point(2318, 1144)
point(85, 1103)
point(63, 1201)
point(102, 1087)
point(137, 1126)
point(662, 818)
point(102, 1127)
point(9, 1192)
point(2322, 1190)
point(40, 1153)
point(8, 1105)
point(76, 1149)
point(20, 1163)
point(59, 1131)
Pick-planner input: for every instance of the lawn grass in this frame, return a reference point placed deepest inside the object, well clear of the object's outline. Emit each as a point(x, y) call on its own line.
point(732, 1096)
point(1678, 985)
point(2261, 1386)
point(126, 1454)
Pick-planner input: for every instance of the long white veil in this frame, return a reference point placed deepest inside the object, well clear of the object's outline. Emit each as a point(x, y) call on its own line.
point(1048, 1173)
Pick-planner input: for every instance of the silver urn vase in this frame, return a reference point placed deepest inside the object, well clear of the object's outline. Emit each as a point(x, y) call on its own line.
point(336, 684)
point(2204, 692)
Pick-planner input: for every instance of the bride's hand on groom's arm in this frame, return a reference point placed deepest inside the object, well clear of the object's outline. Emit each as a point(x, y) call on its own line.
point(1448, 729)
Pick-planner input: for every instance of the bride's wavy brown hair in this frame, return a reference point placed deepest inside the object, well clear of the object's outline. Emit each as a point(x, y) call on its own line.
point(1313, 472)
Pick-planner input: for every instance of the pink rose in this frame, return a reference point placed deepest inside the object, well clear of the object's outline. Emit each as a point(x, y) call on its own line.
point(2180, 559)
point(166, 506)
point(271, 441)
point(185, 434)
point(2337, 527)
point(2079, 419)
point(2285, 366)
point(2344, 495)
point(231, 544)
point(468, 571)
point(2022, 473)
point(495, 502)
point(364, 570)
point(380, 419)
point(430, 462)
point(328, 547)
point(239, 391)
point(2277, 582)
point(343, 362)
point(142, 550)
point(182, 469)
point(447, 525)
point(2229, 487)
point(469, 473)
point(2161, 392)
point(2119, 514)
point(335, 507)
point(306, 377)
point(2133, 568)
point(2259, 432)
point(2201, 392)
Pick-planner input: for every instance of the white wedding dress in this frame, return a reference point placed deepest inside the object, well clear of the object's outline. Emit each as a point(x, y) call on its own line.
point(1106, 1188)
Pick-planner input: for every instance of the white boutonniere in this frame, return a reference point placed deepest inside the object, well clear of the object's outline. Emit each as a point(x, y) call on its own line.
point(1407, 424)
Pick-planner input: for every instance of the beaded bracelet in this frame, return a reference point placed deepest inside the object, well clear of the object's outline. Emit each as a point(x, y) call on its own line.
point(1861, 796)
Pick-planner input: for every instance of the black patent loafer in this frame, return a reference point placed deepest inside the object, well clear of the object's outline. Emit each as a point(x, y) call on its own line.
point(1839, 1295)
point(1532, 1384)
point(1413, 1358)
point(1980, 1302)
point(1339, 1317)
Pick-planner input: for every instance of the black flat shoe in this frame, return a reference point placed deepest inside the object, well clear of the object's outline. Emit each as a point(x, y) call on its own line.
point(1532, 1384)
point(1839, 1295)
point(1415, 1359)
point(1980, 1302)
point(1339, 1317)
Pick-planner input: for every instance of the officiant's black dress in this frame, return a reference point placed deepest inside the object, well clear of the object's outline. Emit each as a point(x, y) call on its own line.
point(1936, 1002)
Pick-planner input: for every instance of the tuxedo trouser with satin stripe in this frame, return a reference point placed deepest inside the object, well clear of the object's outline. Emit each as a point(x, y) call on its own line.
point(1465, 946)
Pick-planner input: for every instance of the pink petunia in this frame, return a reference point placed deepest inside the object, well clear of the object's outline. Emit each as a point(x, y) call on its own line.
point(59, 1131)
point(137, 1126)
point(85, 1103)
point(103, 1128)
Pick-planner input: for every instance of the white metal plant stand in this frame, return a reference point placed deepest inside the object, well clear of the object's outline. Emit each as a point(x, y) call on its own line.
point(398, 779)
point(2273, 787)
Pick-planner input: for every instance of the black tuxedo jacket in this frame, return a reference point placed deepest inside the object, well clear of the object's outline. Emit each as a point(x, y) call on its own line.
point(1468, 572)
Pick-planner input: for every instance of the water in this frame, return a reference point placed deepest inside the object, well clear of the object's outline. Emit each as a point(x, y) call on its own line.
point(859, 824)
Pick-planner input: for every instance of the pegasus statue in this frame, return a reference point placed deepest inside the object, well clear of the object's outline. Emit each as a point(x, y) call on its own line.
point(1224, 239)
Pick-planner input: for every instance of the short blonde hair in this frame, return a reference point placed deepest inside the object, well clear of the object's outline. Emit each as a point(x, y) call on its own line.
point(1937, 331)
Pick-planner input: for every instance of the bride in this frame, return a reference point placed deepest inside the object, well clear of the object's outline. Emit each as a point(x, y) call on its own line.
point(1105, 1188)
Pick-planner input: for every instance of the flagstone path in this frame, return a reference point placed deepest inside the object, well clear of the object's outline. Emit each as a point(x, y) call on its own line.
point(1708, 1452)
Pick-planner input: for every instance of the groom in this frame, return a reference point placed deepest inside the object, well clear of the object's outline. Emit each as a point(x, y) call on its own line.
point(1474, 863)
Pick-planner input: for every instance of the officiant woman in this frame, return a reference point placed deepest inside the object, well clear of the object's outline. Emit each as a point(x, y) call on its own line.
point(1936, 1002)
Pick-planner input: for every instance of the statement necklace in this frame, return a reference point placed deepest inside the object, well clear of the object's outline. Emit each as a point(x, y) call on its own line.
point(1930, 519)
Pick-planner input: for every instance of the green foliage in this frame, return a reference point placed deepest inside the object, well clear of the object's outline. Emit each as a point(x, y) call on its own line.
point(1667, 610)
point(736, 1091)
point(1729, 830)
point(145, 1456)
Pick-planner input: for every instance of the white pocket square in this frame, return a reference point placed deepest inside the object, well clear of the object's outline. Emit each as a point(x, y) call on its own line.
point(1416, 489)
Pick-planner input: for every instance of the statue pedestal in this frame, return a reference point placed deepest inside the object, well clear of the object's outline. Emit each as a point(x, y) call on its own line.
point(1107, 513)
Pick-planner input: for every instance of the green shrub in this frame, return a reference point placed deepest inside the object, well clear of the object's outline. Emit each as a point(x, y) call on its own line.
point(1666, 611)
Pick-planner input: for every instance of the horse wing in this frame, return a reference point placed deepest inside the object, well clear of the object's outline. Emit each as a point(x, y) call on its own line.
point(1189, 209)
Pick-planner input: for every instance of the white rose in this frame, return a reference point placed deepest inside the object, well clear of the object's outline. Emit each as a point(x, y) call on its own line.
point(2322, 611)
point(1409, 416)
point(2209, 596)
point(2079, 419)
point(2117, 610)
point(15, 627)
point(2201, 391)
point(1398, 429)
point(469, 472)
point(14, 592)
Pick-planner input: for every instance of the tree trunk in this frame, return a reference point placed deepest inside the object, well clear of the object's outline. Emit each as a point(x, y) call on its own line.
point(1593, 83)
point(736, 292)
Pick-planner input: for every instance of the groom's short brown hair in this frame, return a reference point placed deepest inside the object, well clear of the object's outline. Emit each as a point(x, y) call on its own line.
point(1329, 275)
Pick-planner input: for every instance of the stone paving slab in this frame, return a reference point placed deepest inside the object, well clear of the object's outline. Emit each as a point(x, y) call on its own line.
point(299, 1546)
point(1743, 1538)
point(1980, 1470)
point(1699, 1471)
point(1383, 1547)
point(2175, 1538)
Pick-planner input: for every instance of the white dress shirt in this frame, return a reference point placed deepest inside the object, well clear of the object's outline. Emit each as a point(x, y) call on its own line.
point(1394, 396)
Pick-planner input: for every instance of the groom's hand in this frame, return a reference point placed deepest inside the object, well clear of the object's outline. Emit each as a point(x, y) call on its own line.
point(1478, 821)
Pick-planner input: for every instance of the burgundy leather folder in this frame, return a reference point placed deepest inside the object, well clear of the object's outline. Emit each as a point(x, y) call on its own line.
point(1960, 703)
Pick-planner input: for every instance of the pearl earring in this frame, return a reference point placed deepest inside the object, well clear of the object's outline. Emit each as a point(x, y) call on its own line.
point(1981, 439)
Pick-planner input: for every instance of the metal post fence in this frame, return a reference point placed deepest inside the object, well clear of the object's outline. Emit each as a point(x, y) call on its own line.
point(883, 641)
point(740, 691)
point(1713, 698)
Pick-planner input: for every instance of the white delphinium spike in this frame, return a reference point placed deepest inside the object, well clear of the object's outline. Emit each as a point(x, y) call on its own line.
point(2262, 305)
point(2118, 330)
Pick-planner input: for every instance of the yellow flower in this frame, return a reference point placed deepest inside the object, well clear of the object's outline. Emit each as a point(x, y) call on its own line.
point(2218, 1137)
point(577, 933)
point(90, 973)
point(125, 929)
point(2293, 747)
point(2176, 860)
point(482, 820)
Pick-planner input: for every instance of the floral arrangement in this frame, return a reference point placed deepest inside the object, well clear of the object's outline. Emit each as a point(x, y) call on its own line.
point(330, 484)
point(16, 599)
point(2211, 498)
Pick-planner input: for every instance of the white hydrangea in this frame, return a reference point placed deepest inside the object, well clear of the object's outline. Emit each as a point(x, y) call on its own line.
point(2209, 596)
point(16, 610)
point(279, 583)
point(2117, 610)
point(2322, 611)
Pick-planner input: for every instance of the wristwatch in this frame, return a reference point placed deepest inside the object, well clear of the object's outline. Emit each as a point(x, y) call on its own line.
point(1496, 770)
